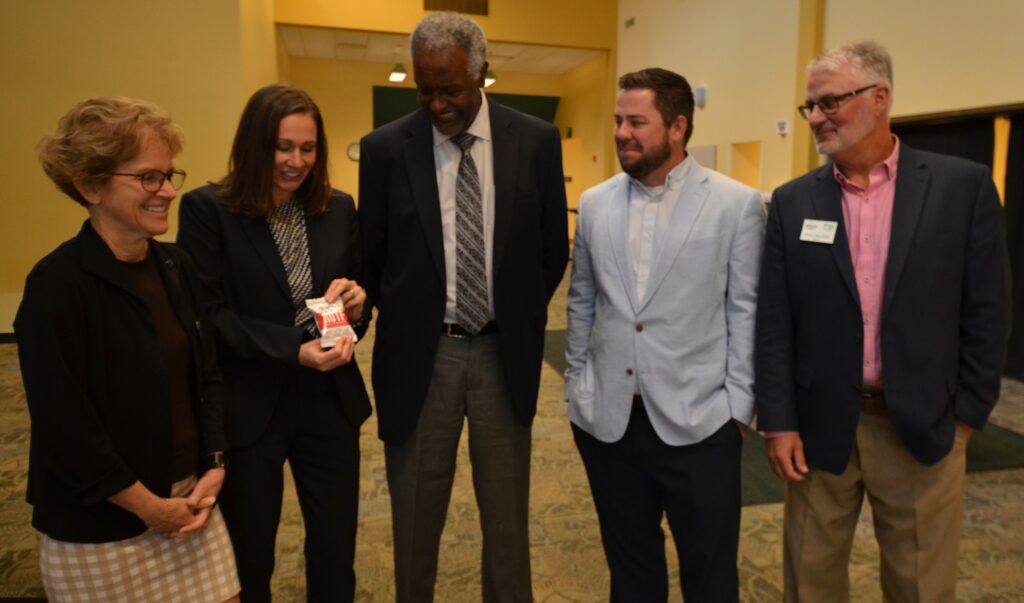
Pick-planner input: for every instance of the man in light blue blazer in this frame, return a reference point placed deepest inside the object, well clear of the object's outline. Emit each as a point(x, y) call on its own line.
point(660, 348)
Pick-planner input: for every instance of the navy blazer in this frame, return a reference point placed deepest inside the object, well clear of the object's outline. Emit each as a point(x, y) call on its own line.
point(250, 302)
point(97, 388)
point(400, 216)
point(945, 312)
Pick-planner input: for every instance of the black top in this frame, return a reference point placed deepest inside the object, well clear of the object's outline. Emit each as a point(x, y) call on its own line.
point(174, 352)
point(97, 388)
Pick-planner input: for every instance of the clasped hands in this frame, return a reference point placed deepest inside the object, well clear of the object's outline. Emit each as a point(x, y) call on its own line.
point(184, 515)
point(311, 354)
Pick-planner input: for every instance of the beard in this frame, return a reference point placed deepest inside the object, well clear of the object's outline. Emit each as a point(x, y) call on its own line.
point(649, 160)
point(832, 138)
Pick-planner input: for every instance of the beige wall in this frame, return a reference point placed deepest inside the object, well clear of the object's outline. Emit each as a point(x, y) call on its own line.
point(188, 56)
point(745, 163)
point(587, 106)
point(344, 92)
point(201, 60)
point(582, 23)
point(587, 92)
point(946, 55)
point(742, 50)
point(258, 51)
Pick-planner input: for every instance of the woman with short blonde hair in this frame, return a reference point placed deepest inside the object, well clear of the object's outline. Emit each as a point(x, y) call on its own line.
point(126, 400)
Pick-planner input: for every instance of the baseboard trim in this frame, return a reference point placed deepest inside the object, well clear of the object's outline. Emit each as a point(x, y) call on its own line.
point(7, 338)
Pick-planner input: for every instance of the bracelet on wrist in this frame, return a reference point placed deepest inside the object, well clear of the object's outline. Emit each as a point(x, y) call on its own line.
point(215, 460)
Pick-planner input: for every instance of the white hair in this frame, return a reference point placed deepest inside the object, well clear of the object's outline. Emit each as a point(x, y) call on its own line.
point(444, 30)
point(869, 63)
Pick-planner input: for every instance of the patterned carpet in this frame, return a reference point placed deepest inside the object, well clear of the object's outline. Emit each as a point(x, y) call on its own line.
point(568, 563)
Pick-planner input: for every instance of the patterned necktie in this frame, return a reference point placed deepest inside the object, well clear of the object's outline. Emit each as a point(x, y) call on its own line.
point(472, 310)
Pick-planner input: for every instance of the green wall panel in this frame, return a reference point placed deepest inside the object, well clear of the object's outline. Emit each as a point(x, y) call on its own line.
point(390, 103)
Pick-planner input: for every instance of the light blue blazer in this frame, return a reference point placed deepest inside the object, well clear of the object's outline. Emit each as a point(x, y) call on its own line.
point(688, 346)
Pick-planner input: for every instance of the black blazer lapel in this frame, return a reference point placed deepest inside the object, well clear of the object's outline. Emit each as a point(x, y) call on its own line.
point(259, 235)
point(98, 259)
point(827, 199)
point(418, 152)
point(171, 275)
point(908, 202)
point(505, 145)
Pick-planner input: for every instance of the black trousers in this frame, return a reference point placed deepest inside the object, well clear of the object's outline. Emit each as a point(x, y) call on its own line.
point(310, 431)
point(637, 480)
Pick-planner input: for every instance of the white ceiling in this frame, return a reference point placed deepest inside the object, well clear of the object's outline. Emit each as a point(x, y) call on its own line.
point(351, 45)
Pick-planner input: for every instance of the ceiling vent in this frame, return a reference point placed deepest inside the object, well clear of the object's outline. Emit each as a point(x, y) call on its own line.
point(469, 7)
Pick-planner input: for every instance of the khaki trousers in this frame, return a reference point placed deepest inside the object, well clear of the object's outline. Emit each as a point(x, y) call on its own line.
point(918, 512)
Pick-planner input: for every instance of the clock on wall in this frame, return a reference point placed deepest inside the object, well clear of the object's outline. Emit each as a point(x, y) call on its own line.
point(353, 151)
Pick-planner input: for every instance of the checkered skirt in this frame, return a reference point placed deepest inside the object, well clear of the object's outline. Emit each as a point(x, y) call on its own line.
point(149, 567)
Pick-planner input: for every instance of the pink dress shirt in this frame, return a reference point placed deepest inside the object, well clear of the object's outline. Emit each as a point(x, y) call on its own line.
point(867, 215)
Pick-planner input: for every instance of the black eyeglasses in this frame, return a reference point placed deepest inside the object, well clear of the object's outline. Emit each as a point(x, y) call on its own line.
point(830, 104)
point(153, 180)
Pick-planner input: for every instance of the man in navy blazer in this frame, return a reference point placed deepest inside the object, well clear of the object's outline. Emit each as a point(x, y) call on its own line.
point(881, 329)
point(431, 372)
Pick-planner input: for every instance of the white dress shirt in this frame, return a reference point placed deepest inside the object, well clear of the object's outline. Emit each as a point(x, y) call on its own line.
point(649, 212)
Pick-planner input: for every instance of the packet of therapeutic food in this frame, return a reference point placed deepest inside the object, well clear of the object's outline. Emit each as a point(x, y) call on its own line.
point(331, 321)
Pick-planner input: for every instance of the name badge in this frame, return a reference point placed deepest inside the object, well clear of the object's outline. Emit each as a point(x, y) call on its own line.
point(819, 231)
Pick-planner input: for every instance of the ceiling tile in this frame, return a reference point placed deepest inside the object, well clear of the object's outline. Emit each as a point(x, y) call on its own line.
point(292, 37)
point(319, 43)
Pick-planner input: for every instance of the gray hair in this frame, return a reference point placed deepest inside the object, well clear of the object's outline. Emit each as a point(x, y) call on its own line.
point(868, 61)
point(444, 30)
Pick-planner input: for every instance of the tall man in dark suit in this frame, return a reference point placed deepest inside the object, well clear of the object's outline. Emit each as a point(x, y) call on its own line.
point(462, 206)
point(881, 329)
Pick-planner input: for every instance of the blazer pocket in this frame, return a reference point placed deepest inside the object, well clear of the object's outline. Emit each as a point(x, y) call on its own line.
point(583, 389)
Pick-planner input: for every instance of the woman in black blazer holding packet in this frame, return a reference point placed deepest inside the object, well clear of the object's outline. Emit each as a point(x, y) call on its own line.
point(268, 236)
